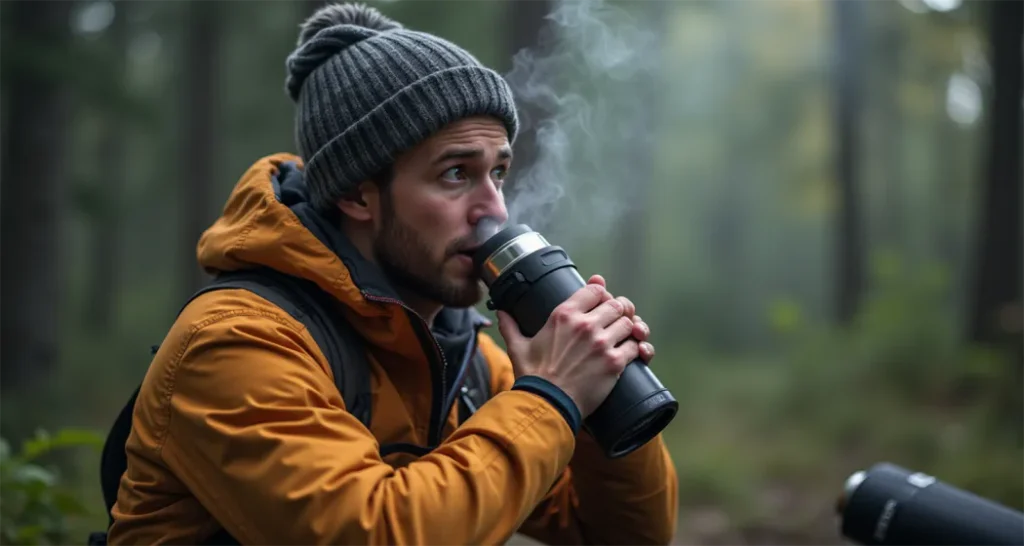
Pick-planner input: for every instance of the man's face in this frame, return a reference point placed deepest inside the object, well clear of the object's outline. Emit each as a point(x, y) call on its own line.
point(440, 190)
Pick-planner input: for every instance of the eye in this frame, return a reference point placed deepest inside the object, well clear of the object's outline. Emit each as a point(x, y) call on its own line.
point(455, 175)
point(499, 173)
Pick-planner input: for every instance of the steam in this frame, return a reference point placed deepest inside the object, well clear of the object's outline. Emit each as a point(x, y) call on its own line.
point(486, 228)
point(580, 91)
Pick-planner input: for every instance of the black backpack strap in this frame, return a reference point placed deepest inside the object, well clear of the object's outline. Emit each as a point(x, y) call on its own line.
point(302, 299)
point(476, 390)
point(114, 460)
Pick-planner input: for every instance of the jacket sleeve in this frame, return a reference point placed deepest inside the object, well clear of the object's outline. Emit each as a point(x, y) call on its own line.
point(597, 500)
point(259, 434)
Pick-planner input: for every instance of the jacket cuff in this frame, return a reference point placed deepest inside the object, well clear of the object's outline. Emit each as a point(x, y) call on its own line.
point(554, 395)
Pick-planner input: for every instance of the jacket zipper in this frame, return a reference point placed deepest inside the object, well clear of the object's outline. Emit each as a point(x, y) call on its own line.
point(462, 373)
point(437, 403)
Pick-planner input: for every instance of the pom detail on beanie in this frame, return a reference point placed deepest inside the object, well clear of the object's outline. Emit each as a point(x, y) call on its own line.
point(329, 30)
point(359, 15)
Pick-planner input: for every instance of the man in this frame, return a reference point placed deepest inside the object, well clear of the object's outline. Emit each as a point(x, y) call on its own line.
point(239, 427)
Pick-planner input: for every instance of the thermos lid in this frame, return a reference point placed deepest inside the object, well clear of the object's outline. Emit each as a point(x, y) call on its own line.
point(491, 248)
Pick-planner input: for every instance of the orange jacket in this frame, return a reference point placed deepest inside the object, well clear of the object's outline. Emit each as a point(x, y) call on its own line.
point(239, 424)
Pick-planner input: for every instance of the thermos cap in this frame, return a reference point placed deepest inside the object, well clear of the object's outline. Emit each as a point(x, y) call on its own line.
point(851, 485)
point(509, 252)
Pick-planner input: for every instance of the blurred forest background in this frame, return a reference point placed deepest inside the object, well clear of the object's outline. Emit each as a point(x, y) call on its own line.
point(815, 204)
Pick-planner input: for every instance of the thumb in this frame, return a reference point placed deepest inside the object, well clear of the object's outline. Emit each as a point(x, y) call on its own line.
point(509, 330)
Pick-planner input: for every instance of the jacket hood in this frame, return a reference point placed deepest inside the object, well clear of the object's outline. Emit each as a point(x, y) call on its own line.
point(268, 221)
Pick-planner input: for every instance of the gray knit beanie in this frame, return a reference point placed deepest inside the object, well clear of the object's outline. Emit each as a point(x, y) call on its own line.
point(367, 89)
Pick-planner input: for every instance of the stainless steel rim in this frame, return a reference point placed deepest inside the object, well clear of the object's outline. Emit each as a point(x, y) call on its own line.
point(509, 253)
point(851, 485)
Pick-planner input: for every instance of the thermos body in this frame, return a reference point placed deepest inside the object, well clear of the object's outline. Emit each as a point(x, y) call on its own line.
point(891, 505)
point(528, 278)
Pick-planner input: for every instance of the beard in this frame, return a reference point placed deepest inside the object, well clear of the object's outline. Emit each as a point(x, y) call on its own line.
point(407, 261)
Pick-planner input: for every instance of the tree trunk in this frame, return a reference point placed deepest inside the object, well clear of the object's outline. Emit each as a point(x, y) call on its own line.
point(630, 256)
point(33, 166)
point(996, 303)
point(526, 25)
point(102, 298)
point(726, 221)
point(849, 249)
point(893, 214)
point(199, 135)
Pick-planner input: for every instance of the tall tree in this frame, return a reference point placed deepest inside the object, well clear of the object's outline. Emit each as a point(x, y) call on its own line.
point(889, 69)
point(199, 134)
point(998, 277)
point(849, 248)
point(526, 30)
point(102, 296)
point(632, 236)
point(728, 223)
point(33, 168)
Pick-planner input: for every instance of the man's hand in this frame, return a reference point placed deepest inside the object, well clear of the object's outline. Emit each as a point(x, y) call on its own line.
point(583, 347)
point(641, 331)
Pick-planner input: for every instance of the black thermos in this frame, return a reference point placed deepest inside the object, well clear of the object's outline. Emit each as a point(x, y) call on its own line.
point(527, 278)
point(891, 505)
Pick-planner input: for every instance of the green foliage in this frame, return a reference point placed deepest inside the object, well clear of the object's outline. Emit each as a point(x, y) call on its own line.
point(904, 344)
point(901, 384)
point(766, 443)
point(37, 507)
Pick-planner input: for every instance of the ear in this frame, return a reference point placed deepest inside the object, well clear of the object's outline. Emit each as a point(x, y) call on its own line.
point(362, 205)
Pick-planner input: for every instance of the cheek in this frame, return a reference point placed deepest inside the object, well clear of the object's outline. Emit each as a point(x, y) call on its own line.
point(437, 222)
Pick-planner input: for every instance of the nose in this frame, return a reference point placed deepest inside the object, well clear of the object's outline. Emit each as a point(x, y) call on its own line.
point(489, 202)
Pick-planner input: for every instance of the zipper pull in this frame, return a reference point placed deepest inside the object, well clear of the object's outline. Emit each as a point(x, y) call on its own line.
point(466, 399)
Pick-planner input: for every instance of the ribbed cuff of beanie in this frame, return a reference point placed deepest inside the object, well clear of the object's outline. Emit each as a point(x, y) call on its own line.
point(553, 394)
point(405, 119)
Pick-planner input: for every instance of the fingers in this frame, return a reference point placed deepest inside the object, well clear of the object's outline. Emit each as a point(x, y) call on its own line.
point(601, 312)
point(622, 355)
point(610, 310)
point(641, 331)
point(600, 281)
point(630, 310)
point(646, 352)
point(510, 330)
point(583, 300)
point(620, 330)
